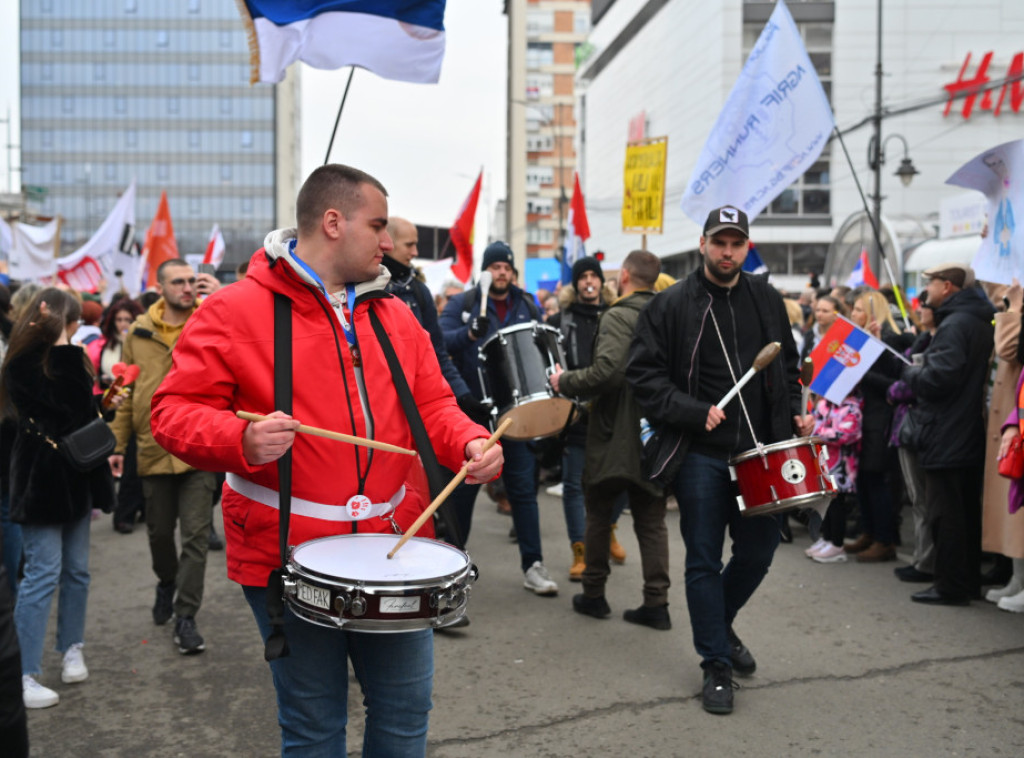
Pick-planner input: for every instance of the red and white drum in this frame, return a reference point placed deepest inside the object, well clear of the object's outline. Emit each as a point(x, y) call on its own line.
point(348, 582)
point(783, 476)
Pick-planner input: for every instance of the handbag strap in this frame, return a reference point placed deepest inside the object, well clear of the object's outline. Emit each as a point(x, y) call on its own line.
point(277, 644)
point(435, 477)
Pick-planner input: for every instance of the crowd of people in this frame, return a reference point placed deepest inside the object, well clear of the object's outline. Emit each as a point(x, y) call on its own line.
point(647, 362)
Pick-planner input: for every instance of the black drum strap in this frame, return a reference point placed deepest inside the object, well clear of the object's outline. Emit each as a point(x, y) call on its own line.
point(435, 476)
point(277, 644)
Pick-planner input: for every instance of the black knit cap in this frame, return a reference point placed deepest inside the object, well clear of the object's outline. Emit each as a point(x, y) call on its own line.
point(583, 265)
point(497, 252)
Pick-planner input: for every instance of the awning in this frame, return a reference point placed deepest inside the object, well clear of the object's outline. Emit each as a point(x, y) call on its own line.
point(937, 251)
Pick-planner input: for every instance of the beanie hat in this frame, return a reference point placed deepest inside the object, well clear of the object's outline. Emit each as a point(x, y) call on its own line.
point(583, 265)
point(497, 252)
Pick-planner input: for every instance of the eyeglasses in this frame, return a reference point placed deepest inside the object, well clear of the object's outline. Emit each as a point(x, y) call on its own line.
point(181, 282)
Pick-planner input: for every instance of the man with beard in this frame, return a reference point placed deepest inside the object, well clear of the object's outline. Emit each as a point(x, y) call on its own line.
point(691, 344)
point(465, 330)
point(174, 492)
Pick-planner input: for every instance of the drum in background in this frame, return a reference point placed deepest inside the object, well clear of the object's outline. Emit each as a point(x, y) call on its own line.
point(515, 364)
point(348, 582)
point(783, 476)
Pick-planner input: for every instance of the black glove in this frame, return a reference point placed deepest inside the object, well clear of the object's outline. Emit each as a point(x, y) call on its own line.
point(473, 408)
point(478, 327)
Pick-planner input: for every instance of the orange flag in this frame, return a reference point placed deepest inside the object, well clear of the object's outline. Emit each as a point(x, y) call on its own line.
point(160, 245)
point(462, 234)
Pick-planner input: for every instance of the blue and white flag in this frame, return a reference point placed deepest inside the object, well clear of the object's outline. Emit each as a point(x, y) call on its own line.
point(753, 263)
point(395, 39)
point(773, 127)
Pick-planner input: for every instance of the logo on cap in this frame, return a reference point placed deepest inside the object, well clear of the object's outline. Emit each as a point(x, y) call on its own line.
point(728, 215)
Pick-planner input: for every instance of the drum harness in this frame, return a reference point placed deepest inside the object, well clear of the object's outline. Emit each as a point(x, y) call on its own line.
point(739, 396)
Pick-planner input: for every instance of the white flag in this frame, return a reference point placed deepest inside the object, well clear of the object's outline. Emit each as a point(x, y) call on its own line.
point(104, 246)
point(33, 250)
point(773, 127)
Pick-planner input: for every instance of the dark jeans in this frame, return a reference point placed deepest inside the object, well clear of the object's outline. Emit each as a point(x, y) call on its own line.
point(648, 511)
point(707, 509)
point(13, 723)
point(129, 491)
point(953, 495)
point(519, 476)
point(875, 494)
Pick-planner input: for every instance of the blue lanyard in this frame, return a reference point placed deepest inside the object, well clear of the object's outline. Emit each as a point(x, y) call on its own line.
point(349, 327)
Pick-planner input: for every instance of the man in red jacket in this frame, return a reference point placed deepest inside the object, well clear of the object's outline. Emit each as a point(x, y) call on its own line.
point(330, 270)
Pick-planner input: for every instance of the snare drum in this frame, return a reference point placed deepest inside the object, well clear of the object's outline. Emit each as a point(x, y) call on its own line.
point(348, 582)
point(515, 364)
point(783, 476)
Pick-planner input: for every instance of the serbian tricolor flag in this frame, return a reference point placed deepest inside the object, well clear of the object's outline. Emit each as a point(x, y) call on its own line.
point(862, 273)
point(160, 244)
point(577, 231)
point(842, 357)
point(462, 234)
point(395, 39)
point(215, 247)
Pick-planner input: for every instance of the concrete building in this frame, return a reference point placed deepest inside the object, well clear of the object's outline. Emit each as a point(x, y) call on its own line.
point(545, 38)
point(116, 90)
point(669, 65)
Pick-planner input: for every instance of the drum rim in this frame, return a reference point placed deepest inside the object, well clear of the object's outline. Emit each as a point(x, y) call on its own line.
point(776, 447)
point(789, 503)
point(523, 326)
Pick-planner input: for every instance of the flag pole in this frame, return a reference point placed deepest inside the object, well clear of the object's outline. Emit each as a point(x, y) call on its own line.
point(874, 230)
point(341, 107)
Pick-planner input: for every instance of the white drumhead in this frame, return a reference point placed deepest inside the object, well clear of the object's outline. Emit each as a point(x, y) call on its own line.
point(365, 557)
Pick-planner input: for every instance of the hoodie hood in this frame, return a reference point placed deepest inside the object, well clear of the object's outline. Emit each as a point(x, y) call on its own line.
point(278, 247)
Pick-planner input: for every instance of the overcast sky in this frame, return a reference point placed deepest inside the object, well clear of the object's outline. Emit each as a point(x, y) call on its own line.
point(426, 143)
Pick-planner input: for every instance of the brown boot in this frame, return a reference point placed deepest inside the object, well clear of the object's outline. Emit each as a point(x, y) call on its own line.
point(877, 553)
point(578, 564)
point(860, 544)
point(615, 549)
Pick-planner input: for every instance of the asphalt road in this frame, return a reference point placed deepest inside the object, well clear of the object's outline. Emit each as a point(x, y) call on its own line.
point(847, 665)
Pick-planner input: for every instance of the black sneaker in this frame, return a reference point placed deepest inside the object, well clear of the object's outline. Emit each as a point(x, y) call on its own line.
point(591, 606)
point(654, 616)
point(187, 637)
point(163, 608)
point(743, 662)
point(716, 696)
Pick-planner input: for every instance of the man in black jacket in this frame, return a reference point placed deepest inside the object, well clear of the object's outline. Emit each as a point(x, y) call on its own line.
point(950, 436)
point(691, 344)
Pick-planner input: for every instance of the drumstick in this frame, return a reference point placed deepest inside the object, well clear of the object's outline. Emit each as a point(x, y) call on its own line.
point(806, 376)
point(766, 356)
point(448, 490)
point(361, 441)
point(485, 287)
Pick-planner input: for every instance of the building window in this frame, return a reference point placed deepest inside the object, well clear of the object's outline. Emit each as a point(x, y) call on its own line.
point(193, 138)
point(57, 38)
point(538, 176)
point(247, 138)
point(47, 6)
point(67, 104)
point(174, 104)
point(539, 85)
point(99, 72)
point(57, 172)
point(193, 6)
point(163, 171)
point(162, 38)
point(46, 72)
point(225, 172)
point(193, 72)
point(109, 38)
point(539, 22)
point(46, 137)
point(225, 105)
point(110, 171)
point(195, 205)
point(131, 137)
point(247, 206)
point(225, 39)
point(539, 54)
point(581, 22)
point(120, 104)
point(130, 6)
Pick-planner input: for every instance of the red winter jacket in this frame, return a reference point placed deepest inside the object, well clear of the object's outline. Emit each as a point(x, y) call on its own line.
point(223, 362)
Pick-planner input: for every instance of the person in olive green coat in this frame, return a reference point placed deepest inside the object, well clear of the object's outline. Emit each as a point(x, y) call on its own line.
point(613, 450)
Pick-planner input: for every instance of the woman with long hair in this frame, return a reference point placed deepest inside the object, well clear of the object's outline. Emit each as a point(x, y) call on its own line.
point(47, 391)
point(106, 351)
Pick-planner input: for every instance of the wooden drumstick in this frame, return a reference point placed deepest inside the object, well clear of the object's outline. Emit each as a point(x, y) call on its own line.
point(766, 356)
point(361, 441)
point(806, 377)
point(443, 494)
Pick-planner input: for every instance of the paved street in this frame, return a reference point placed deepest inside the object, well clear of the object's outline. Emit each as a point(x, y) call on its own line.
point(847, 665)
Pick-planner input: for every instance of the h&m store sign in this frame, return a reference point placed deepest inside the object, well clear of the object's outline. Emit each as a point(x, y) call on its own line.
point(980, 92)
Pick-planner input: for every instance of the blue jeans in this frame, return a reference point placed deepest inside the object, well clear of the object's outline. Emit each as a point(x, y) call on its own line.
point(572, 492)
point(57, 554)
point(12, 544)
point(395, 672)
point(707, 508)
point(520, 479)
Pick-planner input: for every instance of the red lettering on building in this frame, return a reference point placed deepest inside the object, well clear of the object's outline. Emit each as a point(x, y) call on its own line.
point(970, 88)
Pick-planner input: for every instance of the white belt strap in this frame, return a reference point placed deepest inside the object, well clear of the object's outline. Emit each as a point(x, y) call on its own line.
point(358, 508)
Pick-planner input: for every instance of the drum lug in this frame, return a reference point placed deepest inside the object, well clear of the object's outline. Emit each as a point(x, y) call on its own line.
point(358, 605)
point(341, 603)
point(741, 503)
point(775, 495)
point(732, 476)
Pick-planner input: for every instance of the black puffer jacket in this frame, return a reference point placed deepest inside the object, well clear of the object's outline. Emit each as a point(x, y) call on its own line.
point(45, 488)
point(950, 386)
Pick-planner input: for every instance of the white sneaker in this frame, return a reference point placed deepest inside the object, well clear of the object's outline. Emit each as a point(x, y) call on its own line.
point(74, 669)
point(830, 554)
point(1014, 604)
point(539, 580)
point(809, 552)
point(555, 490)
point(1013, 588)
point(36, 695)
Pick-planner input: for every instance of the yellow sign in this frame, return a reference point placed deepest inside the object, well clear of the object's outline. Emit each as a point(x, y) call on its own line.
point(643, 197)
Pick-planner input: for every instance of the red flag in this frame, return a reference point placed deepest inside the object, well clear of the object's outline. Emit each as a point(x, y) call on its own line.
point(578, 210)
point(160, 245)
point(215, 247)
point(462, 234)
